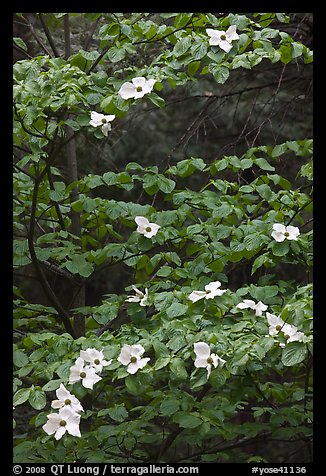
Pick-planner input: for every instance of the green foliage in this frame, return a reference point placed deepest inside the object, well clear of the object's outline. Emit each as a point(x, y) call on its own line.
point(215, 222)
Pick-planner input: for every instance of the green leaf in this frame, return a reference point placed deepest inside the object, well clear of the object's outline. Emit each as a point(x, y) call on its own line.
point(279, 149)
point(73, 124)
point(280, 248)
point(198, 50)
point(182, 46)
point(260, 261)
point(263, 164)
point(118, 413)
point(193, 67)
point(187, 420)
point(20, 359)
point(93, 98)
point(265, 191)
point(246, 163)
point(156, 99)
point(252, 241)
point(176, 309)
point(164, 184)
point(169, 407)
point(78, 264)
point(163, 300)
point(220, 73)
point(160, 349)
point(37, 399)
point(19, 42)
point(21, 396)
point(89, 55)
point(116, 54)
point(178, 367)
point(52, 385)
point(293, 353)
point(162, 362)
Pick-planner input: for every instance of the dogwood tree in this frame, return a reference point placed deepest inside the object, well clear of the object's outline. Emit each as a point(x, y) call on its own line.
point(157, 168)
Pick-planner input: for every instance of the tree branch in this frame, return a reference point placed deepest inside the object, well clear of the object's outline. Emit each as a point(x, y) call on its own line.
point(62, 313)
point(38, 40)
point(67, 35)
point(48, 35)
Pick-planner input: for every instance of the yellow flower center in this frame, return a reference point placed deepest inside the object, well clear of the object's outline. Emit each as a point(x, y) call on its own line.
point(148, 229)
point(286, 234)
point(104, 121)
point(67, 401)
point(82, 374)
point(63, 423)
point(209, 360)
point(133, 359)
point(223, 37)
point(96, 361)
point(278, 327)
point(138, 89)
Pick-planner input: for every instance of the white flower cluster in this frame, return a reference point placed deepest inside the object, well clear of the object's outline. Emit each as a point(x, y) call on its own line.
point(68, 417)
point(85, 370)
point(290, 332)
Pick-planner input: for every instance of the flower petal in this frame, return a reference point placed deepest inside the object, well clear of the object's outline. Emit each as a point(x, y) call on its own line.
point(142, 221)
point(106, 128)
point(62, 392)
point(293, 232)
point(137, 350)
point(139, 81)
point(202, 349)
point(142, 362)
point(57, 404)
point(216, 292)
point(133, 299)
point(231, 33)
point(279, 227)
point(60, 432)
point(125, 354)
point(196, 295)
point(127, 90)
point(90, 380)
point(278, 236)
point(260, 307)
point(214, 34)
point(225, 45)
point(212, 286)
point(133, 367)
point(201, 362)
point(209, 369)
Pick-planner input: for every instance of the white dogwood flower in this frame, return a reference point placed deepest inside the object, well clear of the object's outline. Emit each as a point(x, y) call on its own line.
point(66, 399)
point(204, 358)
point(131, 355)
point(95, 358)
point(275, 324)
point(86, 374)
point(211, 290)
point(137, 88)
point(140, 297)
point(100, 120)
point(58, 424)
point(223, 39)
point(145, 227)
point(282, 232)
point(258, 308)
point(291, 333)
